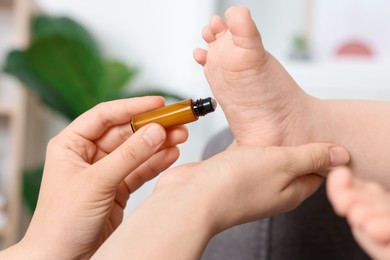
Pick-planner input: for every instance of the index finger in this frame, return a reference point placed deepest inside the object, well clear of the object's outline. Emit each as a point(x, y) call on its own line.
point(95, 122)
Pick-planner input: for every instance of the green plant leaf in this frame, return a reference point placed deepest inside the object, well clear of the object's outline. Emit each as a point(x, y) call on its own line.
point(69, 69)
point(166, 95)
point(17, 65)
point(44, 26)
point(31, 184)
point(118, 74)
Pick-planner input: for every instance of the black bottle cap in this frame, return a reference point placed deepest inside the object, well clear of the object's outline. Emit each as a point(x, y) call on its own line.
point(204, 106)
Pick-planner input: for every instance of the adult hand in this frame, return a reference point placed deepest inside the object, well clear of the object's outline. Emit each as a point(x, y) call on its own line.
point(193, 202)
point(91, 169)
point(243, 184)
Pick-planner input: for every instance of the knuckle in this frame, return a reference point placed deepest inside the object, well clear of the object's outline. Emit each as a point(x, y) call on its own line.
point(137, 180)
point(318, 159)
point(150, 168)
point(124, 133)
point(101, 105)
point(288, 164)
point(100, 108)
point(130, 153)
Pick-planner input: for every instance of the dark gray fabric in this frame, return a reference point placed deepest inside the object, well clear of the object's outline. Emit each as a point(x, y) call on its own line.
point(247, 241)
point(312, 231)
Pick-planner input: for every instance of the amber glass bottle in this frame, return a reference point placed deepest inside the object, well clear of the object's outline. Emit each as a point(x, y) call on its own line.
point(179, 113)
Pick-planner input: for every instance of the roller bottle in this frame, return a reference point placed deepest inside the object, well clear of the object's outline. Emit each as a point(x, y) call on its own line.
point(180, 113)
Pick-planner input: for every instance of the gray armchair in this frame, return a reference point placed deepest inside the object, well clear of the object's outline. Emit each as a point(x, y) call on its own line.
point(312, 231)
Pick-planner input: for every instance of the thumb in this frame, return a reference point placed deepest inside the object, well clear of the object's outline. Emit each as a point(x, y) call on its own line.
point(310, 162)
point(113, 169)
point(317, 158)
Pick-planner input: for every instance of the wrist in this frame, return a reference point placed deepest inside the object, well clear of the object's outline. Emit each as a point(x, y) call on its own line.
point(37, 244)
point(174, 224)
point(192, 208)
point(204, 207)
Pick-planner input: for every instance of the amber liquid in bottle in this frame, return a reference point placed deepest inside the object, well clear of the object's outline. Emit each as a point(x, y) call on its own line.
point(179, 113)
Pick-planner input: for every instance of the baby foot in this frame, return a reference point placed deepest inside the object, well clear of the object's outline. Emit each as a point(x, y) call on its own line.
point(366, 205)
point(257, 95)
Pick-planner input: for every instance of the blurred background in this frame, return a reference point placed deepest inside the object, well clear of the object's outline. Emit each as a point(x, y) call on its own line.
point(333, 50)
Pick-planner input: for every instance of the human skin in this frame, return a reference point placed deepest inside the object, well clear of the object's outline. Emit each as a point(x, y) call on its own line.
point(265, 106)
point(91, 168)
point(366, 206)
point(193, 202)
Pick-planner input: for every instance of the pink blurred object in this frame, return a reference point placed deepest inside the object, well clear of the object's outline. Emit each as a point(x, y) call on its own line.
point(355, 49)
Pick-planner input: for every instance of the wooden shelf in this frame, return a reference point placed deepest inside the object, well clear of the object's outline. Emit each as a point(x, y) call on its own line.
point(6, 110)
point(6, 3)
point(12, 109)
point(3, 227)
point(2, 231)
point(3, 220)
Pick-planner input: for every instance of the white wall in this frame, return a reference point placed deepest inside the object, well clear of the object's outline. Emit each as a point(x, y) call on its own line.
point(278, 21)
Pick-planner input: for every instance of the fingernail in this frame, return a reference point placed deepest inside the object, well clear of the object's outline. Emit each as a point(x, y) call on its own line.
point(154, 135)
point(338, 156)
